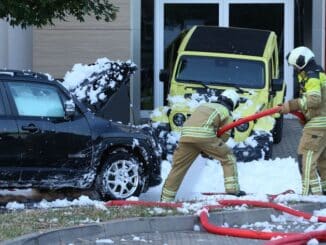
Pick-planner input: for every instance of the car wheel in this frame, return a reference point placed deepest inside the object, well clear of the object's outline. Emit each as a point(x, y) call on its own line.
point(278, 130)
point(268, 151)
point(121, 177)
point(264, 145)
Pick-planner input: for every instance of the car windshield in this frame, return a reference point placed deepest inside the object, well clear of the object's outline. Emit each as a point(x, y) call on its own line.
point(221, 71)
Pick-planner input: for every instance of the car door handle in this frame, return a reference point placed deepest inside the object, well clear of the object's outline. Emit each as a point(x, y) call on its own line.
point(31, 128)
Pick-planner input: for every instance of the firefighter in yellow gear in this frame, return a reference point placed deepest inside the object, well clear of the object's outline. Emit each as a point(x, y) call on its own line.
point(312, 103)
point(198, 135)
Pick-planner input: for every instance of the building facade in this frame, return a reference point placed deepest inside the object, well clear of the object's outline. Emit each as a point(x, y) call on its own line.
point(144, 28)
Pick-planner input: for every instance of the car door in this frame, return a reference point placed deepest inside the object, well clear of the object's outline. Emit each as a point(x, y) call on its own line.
point(10, 145)
point(51, 142)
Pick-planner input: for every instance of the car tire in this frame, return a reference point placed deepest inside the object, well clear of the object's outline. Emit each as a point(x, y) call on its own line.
point(268, 151)
point(121, 177)
point(278, 130)
point(264, 146)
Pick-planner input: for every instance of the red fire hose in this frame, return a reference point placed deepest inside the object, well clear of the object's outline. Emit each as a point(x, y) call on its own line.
point(299, 239)
point(288, 238)
point(299, 115)
point(270, 205)
point(246, 233)
point(263, 113)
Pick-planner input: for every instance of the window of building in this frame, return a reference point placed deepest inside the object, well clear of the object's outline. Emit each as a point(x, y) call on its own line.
point(147, 54)
point(177, 17)
point(260, 16)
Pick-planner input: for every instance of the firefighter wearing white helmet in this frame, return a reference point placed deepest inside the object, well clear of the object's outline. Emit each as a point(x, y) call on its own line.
point(198, 135)
point(312, 103)
point(300, 57)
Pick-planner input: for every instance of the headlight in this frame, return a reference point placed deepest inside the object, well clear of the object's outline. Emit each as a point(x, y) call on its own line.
point(243, 127)
point(179, 119)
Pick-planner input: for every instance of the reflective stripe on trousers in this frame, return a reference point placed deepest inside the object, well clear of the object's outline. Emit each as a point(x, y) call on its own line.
point(310, 178)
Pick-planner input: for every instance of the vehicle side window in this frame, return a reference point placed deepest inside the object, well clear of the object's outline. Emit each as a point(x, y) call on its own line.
point(34, 99)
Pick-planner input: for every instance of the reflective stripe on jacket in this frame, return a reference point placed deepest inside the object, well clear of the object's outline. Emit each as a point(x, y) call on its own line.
point(204, 122)
point(312, 101)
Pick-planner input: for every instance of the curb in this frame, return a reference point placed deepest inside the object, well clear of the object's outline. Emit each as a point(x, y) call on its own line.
point(150, 225)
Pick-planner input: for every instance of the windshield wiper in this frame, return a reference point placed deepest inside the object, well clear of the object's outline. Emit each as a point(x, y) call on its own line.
point(231, 85)
point(239, 90)
point(203, 84)
point(198, 82)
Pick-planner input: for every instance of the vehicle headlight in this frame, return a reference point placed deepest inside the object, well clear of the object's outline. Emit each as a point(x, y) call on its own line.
point(179, 119)
point(243, 127)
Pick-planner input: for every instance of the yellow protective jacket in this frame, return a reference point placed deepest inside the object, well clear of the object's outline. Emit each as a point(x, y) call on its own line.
point(312, 100)
point(204, 123)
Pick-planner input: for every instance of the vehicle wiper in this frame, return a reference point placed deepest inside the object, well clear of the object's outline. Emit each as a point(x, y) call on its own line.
point(203, 84)
point(239, 90)
point(198, 82)
point(231, 85)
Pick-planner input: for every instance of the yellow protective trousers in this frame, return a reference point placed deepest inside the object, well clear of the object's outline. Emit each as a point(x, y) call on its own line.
point(312, 147)
point(187, 152)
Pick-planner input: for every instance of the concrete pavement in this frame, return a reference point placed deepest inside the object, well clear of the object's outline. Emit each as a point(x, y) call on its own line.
point(168, 230)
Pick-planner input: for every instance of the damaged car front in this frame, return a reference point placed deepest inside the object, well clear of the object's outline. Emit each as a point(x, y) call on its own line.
point(53, 139)
point(128, 159)
point(130, 155)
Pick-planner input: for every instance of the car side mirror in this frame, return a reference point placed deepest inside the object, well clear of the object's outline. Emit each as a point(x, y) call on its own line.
point(70, 109)
point(164, 76)
point(277, 84)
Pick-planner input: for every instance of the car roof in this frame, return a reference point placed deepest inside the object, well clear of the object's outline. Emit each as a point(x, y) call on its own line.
point(16, 75)
point(233, 40)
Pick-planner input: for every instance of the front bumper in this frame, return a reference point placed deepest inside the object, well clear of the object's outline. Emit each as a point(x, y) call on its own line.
point(154, 180)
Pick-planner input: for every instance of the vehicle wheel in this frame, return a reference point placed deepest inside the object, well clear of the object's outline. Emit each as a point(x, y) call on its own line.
point(264, 145)
point(268, 151)
point(121, 177)
point(278, 130)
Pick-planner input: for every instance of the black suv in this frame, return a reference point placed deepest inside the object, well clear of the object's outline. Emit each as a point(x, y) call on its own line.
point(50, 140)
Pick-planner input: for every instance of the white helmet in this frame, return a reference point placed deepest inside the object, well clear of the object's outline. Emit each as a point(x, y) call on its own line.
point(231, 96)
point(299, 57)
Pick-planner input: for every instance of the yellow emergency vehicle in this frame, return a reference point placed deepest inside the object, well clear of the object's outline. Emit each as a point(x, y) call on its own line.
point(204, 61)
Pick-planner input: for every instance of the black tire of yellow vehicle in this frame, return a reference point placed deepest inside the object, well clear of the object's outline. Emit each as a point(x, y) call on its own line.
point(278, 130)
point(121, 177)
point(268, 152)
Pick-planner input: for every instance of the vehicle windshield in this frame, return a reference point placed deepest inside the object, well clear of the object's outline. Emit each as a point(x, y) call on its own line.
point(221, 71)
